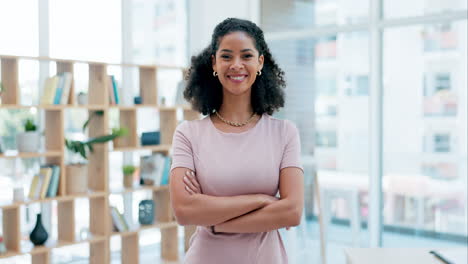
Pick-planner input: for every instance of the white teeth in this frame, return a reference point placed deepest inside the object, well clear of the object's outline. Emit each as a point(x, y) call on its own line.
point(237, 78)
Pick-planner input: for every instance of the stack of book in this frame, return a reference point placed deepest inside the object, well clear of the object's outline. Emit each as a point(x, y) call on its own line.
point(154, 169)
point(118, 220)
point(45, 184)
point(57, 89)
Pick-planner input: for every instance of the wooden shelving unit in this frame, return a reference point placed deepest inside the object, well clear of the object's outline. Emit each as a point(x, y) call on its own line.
point(98, 174)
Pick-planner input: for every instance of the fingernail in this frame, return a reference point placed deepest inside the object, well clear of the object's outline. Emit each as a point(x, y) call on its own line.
point(185, 178)
point(186, 173)
point(193, 174)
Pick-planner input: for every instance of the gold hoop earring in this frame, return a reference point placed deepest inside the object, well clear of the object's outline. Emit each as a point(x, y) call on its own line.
point(259, 73)
point(215, 74)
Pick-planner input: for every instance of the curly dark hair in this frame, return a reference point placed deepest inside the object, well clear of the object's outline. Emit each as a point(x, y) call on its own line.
point(205, 93)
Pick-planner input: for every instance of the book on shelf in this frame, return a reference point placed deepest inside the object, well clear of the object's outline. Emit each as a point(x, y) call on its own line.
point(116, 90)
point(166, 171)
point(48, 95)
point(34, 187)
point(67, 83)
point(46, 174)
point(57, 89)
point(45, 183)
point(54, 181)
point(118, 220)
point(113, 90)
point(154, 169)
point(110, 90)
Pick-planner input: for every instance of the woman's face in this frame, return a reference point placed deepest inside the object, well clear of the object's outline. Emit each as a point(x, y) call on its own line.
point(237, 62)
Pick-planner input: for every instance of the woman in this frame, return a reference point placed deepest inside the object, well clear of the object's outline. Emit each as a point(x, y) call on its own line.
point(228, 167)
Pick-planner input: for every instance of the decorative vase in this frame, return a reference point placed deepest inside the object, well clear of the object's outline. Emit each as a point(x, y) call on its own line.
point(146, 212)
point(82, 98)
point(28, 141)
point(39, 235)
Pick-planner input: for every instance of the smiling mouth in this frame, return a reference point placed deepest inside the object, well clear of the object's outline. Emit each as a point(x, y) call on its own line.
point(237, 78)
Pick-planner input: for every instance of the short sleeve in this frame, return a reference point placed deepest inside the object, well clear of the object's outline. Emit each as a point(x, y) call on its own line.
point(292, 147)
point(182, 152)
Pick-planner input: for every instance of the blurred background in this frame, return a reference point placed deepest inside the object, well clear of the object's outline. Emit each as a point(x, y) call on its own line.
point(377, 88)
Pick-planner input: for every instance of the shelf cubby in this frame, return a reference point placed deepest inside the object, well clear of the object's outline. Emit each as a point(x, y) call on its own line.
point(167, 125)
point(127, 120)
point(10, 81)
point(148, 89)
point(11, 228)
point(66, 220)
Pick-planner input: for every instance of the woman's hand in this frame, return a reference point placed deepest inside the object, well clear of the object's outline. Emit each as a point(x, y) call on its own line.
point(191, 183)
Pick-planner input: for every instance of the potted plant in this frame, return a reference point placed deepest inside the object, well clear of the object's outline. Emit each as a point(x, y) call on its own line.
point(28, 141)
point(82, 98)
point(77, 169)
point(128, 171)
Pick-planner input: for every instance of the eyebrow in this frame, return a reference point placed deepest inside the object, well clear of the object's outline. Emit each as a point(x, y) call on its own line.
point(244, 50)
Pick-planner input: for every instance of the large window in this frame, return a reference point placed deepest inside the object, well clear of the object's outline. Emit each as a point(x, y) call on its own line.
point(85, 30)
point(18, 30)
point(325, 48)
point(402, 8)
point(159, 31)
point(435, 76)
point(295, 15)
point(327, 95)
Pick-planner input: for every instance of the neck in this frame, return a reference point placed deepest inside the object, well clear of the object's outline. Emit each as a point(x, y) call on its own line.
point(236, 108)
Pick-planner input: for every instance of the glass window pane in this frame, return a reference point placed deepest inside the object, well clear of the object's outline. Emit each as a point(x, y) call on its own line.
point(327, 97)
point(19, 33)
point(85, 30)
point(425, 134)
point(299, 14)
point(153, 26)
point(402, 8)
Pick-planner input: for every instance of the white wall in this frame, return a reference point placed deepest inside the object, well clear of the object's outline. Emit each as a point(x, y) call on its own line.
point(204, 15)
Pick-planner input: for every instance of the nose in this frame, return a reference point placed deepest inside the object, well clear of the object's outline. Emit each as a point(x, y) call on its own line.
point(236, 65)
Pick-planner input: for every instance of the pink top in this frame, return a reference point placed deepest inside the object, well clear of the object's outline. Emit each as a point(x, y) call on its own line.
point(228, 164)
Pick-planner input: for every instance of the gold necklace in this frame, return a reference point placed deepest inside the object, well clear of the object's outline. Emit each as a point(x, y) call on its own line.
point(234, 123)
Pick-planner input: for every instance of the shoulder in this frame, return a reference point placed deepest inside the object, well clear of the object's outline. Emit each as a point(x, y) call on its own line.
point(283, 126)
point(192, 127)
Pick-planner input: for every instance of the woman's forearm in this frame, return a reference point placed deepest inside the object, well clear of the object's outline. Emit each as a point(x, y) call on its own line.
point(206, 210)
point(280, 214)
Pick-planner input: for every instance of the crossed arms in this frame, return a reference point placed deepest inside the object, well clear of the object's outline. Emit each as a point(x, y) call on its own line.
point(238, 214)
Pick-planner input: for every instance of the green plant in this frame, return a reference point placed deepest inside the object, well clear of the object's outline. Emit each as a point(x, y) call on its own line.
point(97, 113)
point(29, 125)
point(128, 169)
point(83, 147)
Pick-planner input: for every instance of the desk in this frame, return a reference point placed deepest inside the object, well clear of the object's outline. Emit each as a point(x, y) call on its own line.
point(391, 256)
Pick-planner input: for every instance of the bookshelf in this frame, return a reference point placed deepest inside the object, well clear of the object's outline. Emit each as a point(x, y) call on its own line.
point(100, 221)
